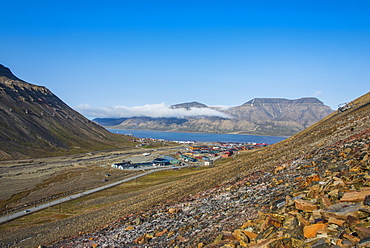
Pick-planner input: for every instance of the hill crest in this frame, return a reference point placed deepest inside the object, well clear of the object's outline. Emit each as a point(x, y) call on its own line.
point(7, 73)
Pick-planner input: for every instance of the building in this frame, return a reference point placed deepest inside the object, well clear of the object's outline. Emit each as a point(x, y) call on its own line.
point(173, 160)
point(160, 162)
point(198, 148)
point(125, 165)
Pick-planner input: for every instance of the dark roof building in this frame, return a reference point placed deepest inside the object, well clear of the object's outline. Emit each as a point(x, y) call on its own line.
point(161, 162)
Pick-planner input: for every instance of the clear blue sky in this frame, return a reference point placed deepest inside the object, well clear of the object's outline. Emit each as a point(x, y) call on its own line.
point(136, 53)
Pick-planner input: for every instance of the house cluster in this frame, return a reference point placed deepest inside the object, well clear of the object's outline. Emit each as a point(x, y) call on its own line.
point(196, 154)
point(204, 154)
point(241, 146)
point(223, 150)
point(147, 141)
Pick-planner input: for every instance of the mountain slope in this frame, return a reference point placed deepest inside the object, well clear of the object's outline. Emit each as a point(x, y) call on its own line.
point(261, 116)
point(275, 115)
point(36, 123)
point(239, 203)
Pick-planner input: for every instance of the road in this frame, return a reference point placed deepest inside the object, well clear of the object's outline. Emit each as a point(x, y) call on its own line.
point(13, 216)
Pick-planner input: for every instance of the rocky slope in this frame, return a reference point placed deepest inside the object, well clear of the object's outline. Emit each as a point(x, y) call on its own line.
point(262, 116)
point(36, 123)
point(310, 190)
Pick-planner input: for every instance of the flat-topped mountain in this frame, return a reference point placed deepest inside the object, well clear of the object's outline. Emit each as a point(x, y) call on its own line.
point(259, 101)
point(281, 116)
point(261, 116)
point(36, 123)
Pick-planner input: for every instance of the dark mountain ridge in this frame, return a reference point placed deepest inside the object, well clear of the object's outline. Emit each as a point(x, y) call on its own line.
point(36, 123)
point(5, 72)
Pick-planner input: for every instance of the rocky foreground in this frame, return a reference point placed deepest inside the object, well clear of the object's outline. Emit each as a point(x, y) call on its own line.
point(321, 199)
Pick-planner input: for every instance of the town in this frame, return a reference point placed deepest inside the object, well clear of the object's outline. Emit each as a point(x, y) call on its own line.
point(192, 154)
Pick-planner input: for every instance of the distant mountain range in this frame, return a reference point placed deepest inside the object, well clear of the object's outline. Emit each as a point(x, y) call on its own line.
point(259, 116)
point(36, 123)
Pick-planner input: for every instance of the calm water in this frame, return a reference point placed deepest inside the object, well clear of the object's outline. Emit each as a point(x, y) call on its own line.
point(205, 137)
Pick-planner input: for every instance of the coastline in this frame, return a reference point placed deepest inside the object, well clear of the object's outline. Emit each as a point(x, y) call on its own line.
point(178, 131)
point(200, 137)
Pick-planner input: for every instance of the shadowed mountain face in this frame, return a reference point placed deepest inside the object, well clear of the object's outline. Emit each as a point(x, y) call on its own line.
point(6, 73)
point(261, 116)
point(36, 123)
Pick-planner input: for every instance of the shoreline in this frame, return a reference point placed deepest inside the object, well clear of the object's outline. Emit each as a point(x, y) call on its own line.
point(169, 131)
point(237, 138)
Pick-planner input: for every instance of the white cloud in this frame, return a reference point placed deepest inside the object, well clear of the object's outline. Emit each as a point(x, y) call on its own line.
point(150, 110)
point(317, 93)
point(221, 107)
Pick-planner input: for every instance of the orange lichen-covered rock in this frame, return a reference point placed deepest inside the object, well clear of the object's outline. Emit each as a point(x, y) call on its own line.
point(246, 224)
point(159, 234)
point(325, 201)
point(241, 237)
point(355, 196)
point(302, 220)
point(305, 205)
point(250, 235)
point(311, 230)
point(362, 232)
point(172, 210)
point(336, 221)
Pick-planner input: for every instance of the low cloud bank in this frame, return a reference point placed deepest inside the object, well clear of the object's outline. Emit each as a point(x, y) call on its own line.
point(150, 110)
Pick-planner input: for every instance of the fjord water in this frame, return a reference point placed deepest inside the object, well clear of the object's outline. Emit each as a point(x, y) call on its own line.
point(201, 137)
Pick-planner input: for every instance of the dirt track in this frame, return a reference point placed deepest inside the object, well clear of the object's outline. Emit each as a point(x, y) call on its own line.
point(94, 211)
point(29, 182)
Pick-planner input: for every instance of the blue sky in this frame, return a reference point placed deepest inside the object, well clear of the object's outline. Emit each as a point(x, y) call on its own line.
point(131, 55)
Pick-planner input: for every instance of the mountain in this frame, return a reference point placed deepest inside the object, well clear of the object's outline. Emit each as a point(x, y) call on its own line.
point(278, 115)
point(36, 123)
point(260, 116)
point(189, 105)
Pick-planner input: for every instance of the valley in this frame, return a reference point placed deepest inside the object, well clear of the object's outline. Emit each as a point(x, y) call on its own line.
point(89, 211)
point(289, 194)
point(46, 179)
point(255, 181)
